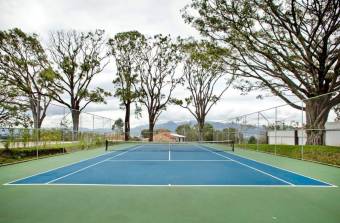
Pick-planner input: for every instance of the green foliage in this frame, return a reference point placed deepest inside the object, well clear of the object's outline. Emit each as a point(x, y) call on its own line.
point(252, 140)
point(324, 154)
point(12, 111)
point(204, 54)
point(23, 144)
point(233, 134)
point(183, 129)
point(145, 133)
point(275, 46)
point(161, 130)
point(78, 57)
point(203, 69)
point(125, 48)
point(156, 66)
point(23, 70)
point(190, 132)
point(208, 132)
point(118, 125)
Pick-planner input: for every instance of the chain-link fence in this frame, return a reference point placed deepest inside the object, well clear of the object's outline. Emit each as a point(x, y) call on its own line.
point(300, 130)
point(57, 134)
point(286, 130)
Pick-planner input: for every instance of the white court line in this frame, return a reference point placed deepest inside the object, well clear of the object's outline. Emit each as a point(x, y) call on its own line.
point(23, 178)
point(169, 160)
point(82, 169)
point(278, 167)
point(249, 167)
point(177, 185)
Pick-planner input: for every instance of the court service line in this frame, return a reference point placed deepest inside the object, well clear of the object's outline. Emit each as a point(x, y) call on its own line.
point(287, 182)
point(84, 168)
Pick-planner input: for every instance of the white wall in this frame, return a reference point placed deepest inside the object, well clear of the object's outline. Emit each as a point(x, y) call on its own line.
point(332, 136)
point(282, 137)
point(302, 137)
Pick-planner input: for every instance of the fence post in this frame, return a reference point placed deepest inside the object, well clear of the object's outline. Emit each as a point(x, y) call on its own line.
point(303, 131)
point(258, 129)
point(275, 129)
point(228, 134)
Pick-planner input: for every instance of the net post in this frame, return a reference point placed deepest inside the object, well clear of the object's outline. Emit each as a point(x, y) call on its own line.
point(106, 145)
point(232, 145)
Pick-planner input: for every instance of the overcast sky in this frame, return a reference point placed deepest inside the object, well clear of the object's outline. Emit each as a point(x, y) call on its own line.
point(147, 16)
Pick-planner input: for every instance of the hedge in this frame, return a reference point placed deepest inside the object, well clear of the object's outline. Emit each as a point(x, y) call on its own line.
point(322, 154)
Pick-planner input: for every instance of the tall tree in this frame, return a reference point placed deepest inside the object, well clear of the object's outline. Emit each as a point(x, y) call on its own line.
point(125, 48)
point(205, 79)
point(78, 58)
point(287, 47)
point(12, 111)
point(156, 66)
point(24, 64)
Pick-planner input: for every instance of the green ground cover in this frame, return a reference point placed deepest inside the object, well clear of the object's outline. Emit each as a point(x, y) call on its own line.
point(13, 155)
point(323, 154)
point(168, 204)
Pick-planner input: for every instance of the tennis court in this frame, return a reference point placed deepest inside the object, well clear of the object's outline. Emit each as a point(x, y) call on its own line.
point(171, 164)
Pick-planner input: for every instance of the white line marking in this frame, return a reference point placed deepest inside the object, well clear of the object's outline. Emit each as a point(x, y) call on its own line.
point(249, 167)
point(23, 178)
point(82, 169)
point(169, 160)
point(278, 167)
point(175, 185)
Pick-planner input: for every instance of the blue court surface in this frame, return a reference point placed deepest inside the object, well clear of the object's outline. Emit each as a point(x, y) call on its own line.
point(171, 165)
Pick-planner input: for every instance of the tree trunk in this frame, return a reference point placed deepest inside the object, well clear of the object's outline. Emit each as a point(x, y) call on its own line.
point(36, 113)
point(151, 128)
point(127, 121)
point(75, 121)
point(317, 111)
point(200, 129)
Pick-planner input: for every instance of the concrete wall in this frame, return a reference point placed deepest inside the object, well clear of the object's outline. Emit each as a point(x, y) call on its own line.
point(332, 136)
point(302, 137)
point(282, 137)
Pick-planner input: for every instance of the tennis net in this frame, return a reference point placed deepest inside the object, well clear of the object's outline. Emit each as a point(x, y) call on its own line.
point(192, 146)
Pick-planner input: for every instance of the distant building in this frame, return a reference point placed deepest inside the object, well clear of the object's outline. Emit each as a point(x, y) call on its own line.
point(168, 137)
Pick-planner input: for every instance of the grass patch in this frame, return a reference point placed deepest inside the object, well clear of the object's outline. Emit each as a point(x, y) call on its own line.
point(323, 154)
point(13, 155)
